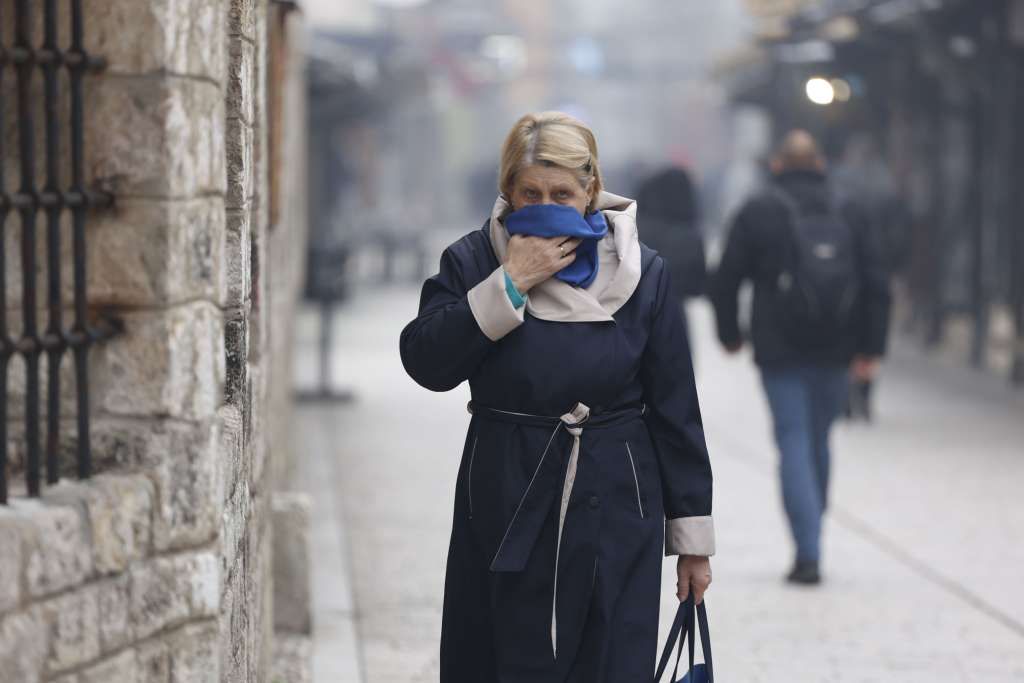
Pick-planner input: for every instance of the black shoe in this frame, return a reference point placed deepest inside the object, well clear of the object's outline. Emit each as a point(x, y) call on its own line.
point(805, 573)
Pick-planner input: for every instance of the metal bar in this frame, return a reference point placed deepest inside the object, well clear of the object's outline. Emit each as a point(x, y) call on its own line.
point(53, 339)
point(80, 337)
point(28, 345)
point(5, 343)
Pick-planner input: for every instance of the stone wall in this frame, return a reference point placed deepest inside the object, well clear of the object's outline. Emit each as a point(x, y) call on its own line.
point(158, 569)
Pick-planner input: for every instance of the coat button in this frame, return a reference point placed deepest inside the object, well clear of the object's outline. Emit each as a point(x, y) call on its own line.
point(595, 502)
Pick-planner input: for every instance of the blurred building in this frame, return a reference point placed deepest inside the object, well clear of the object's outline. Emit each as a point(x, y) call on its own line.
point(920, 98)
point(153, 215)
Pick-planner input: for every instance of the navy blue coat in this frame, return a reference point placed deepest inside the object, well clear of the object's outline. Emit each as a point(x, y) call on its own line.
point(642, 456)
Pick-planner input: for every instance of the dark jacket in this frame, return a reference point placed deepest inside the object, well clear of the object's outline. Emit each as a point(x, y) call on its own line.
point(755, 252)
point(668, 220)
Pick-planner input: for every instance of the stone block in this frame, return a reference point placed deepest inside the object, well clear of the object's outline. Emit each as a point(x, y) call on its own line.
point(160, 596)
point(114, 599)
point(238, 146)
point(235, 522)
point(236, 359)
point(58, 552)
point(188, 510)
point(168, 363)
point(194, 654)
point(232, 463)
point(241, 80)
point(167, 591)
point(157, 252)
point(237, 259)
point(233, 625)
point(292, 557)
point(172, 36)
point(23, 644)
point(12, 529)
point(181, 460)
point(120, 510)
point(73, 623)
point(122, 668)
point(260, 316)
point(242, 18)
point(170, 140)
point(154, 662)
point(205, 585)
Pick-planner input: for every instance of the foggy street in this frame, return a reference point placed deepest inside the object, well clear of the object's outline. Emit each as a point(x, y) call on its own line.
point(217, 217)
point(922, 546)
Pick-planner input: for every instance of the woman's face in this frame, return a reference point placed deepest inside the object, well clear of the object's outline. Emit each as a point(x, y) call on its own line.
point(538, 184)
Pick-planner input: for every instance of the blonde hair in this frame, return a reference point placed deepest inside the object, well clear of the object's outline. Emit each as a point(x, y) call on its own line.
point(550, 138)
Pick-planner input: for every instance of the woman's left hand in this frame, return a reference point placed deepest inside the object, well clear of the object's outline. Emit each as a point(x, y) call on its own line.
point(695, 571)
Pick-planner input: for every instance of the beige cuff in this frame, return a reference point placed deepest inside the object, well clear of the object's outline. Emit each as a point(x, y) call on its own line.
point(492, 308)
point(690, 536)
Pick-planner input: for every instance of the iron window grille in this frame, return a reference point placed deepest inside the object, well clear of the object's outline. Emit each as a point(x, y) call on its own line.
point(21, 63)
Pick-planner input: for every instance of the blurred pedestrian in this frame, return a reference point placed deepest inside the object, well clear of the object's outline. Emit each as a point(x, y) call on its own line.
point(820, 311)
point(586, 433)
point(667, 210)
point(862, 176)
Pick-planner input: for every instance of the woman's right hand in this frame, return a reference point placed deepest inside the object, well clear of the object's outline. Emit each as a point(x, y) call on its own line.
point(531, 260)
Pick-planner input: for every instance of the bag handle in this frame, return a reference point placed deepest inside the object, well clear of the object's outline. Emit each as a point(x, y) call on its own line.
point(683, 629)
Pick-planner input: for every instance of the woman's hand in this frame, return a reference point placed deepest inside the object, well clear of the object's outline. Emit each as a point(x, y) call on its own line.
point(531, 260)
point(695, 571)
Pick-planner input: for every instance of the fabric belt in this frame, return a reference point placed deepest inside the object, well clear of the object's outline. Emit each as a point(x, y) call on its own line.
point(524, 528)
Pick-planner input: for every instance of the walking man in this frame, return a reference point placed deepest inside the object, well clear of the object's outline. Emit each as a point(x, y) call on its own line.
point(820, 312)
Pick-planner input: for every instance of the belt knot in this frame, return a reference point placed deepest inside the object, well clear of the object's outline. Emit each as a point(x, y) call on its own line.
point(575, 418)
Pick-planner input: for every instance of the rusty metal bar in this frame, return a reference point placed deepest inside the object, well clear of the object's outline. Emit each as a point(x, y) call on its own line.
point(50, 202)
point(81, 337)
point(6, 348)
point(28, 345)
point(53, 338)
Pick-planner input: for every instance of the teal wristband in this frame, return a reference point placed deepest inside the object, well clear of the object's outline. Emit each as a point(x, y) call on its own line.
point(514, 296)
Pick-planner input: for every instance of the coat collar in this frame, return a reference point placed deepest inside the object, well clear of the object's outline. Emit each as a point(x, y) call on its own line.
point(559, 301)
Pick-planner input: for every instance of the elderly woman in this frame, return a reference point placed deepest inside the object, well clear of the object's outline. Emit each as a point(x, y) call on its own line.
point(585, 454)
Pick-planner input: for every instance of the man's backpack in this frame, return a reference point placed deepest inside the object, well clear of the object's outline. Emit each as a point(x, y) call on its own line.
point(819, 280)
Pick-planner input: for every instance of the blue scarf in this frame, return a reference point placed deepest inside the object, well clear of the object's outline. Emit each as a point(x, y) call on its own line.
point(555, 220)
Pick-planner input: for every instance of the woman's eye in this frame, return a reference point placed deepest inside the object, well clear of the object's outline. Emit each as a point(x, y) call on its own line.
point(564, 194)
point(531, 194)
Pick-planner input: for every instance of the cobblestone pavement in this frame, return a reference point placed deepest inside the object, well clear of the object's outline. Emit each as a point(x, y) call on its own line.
point(925, 559)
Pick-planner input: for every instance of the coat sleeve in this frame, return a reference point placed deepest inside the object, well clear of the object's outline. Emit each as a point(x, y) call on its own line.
point(875, 294)
point(456, 326)
point(733, 268)
point(674, 421)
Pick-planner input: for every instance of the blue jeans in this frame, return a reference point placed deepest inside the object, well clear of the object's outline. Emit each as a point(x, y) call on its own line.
point(805, 400)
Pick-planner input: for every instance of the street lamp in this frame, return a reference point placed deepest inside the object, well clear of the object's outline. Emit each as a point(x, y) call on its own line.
point(820, 91)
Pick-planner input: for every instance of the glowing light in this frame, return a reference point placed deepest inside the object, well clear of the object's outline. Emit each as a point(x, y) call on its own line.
point(820, 91)
point(841, 90)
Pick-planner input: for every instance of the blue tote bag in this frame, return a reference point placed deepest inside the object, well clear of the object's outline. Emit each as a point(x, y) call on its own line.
point(683, 628)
